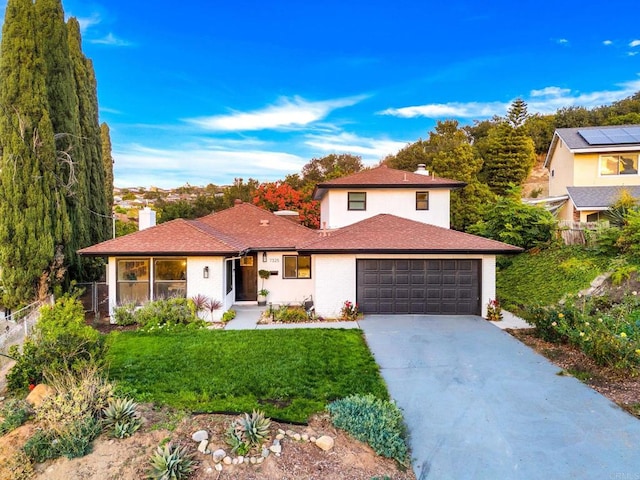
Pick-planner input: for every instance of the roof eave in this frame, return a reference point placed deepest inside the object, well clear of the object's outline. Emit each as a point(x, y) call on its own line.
point(406, 251)
point(159, 254)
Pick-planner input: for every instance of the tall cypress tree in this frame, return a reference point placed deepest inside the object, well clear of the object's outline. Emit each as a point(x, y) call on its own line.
point(86, 88)
point(71, 169)
point(107, 160)
point(33, 220)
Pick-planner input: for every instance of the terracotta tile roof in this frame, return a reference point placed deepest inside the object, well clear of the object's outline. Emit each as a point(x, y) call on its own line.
point(388, 233)
point(385, 177)
point(177, 237)
point(242, 227)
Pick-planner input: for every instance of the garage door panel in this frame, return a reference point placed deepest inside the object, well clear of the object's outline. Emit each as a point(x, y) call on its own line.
point(430, 286)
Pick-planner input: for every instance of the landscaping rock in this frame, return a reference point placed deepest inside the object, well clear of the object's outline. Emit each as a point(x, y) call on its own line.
point(202, 447)
point(218, 467)
point(265, 452)
point(276, 448)
point(240, 460)
point(200, 435)
point(218, 455)
point(280, 436)
point(38, 394)
point(260, 460)
point(227, 460)
point(253, 460)
point(305, 437)
point(325, 443)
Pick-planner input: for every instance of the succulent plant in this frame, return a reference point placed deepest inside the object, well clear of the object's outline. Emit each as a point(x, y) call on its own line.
point(121, 414)
point(248, 431)
point(171, 462)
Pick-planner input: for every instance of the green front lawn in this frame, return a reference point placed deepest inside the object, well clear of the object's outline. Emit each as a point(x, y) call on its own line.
point(289, 374)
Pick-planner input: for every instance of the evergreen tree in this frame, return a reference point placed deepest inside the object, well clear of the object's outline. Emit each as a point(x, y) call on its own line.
point(508, 151)
point(86, 88)
point(107, 161)
point(71, 169)
point(33, 220)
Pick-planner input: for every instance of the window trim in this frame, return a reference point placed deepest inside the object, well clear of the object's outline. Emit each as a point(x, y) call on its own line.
point(363, 202)
point(425, 200)
point(297, 277)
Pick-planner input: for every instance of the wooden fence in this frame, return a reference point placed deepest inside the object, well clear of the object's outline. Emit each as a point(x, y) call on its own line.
point(579, 233)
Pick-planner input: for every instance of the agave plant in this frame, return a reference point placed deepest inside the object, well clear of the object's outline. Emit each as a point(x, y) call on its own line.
point(121, 414)
point(171, 463)
point(248, 431)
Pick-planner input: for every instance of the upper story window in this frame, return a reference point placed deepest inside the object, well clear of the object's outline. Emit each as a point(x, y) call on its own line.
point(357, 200)
point(619, 164)
point(422, 200)
point(297, 266)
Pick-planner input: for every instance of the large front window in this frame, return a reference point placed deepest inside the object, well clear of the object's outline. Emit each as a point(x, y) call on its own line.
point(298, 266)
point(169, 278)
point(618, 164)
point(132, 281)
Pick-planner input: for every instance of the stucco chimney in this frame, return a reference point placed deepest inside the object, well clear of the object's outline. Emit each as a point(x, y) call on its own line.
point(146, 218)
point(422, 169)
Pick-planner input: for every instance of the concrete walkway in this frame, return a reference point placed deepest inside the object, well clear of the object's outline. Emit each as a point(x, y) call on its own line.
point(481, 405)
point(247, 317)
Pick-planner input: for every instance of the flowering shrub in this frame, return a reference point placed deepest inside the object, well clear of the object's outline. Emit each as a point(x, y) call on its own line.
point(494, 311)
point(349, 311)
point(608, 333)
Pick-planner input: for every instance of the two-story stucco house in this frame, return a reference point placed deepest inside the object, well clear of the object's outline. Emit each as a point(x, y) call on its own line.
point(590, 166)
point(385, 243)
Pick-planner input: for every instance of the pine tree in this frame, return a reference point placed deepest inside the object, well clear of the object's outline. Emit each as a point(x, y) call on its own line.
point(86, 87)
point(71, 169)
point(33, 220)
point(107, 161)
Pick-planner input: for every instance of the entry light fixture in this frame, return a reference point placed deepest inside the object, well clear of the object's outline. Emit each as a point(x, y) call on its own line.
point(205, 272)
point(264, 257)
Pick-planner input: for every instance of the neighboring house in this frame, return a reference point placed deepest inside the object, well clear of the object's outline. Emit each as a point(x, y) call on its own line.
point(392, 252)
point(590, 166)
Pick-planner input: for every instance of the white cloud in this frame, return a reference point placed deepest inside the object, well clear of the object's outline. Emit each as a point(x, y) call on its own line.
point(635, 43)
point(632, 54)
point(607, 42)
point(88, 22)
point(562, 41)
point(372, 150)
point(287, 113)
point(545, 100)
point(449, 110)
point(137, 165)
point(111, 39)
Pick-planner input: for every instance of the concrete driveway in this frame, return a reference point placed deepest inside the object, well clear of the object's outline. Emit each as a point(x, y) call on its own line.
point(481, 405)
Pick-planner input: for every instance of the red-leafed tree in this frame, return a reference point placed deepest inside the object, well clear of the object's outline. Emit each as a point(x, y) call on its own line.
point(276, 196)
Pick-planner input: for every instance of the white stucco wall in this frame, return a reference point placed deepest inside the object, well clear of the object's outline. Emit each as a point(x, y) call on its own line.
point(395, 201)
point(284, 290)
point(336, 279)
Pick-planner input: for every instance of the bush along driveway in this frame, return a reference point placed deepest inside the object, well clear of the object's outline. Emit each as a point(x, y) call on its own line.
point(480, 404)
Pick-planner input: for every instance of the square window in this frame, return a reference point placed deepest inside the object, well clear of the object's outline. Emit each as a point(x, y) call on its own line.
point(618, 165)
point(357, 200)
point(422, 200)
point(297, 266)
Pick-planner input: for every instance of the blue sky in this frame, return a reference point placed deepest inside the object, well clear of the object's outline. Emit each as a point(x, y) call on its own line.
point(203, 91)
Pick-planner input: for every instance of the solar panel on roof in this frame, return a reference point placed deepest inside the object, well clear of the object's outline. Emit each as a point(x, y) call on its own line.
point(611, 136)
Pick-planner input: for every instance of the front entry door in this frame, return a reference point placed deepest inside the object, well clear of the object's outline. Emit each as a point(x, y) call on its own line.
point(247, 278)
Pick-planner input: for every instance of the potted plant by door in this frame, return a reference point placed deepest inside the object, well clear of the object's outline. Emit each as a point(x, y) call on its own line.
point(263, 292)
point(262, 297)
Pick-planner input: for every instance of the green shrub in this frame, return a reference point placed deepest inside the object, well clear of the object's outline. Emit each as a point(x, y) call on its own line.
point(125, 314)
point(60, 341)
point(289, 314)
point(171, 463)
point(228, 315)
point(41, 446)
point(76, 441)
point(374, 421)
point(170, 313)
point(14, 412)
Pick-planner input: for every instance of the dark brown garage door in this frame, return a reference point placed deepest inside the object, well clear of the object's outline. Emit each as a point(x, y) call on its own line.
point(436, 287)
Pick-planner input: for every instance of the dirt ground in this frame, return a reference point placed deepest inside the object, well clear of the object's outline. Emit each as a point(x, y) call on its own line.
point(128, 459)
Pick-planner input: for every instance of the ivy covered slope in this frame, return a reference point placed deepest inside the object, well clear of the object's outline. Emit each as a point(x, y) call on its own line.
point(544, 277)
